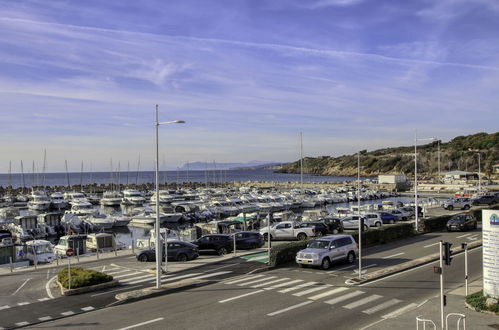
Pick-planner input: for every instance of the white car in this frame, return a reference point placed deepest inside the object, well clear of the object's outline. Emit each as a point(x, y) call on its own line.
point(352, 222)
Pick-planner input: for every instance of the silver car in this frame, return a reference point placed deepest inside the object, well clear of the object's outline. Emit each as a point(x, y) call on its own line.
point(325, 250)
point(457, 203)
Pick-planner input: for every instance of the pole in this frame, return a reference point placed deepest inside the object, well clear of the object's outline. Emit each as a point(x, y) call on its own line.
point(466, 269)
point(301, 161)
point(441, 286)
point(438, 161)
point(479, 175)
point(69, 273)
point(78, 252)
point(360, 219)
point(235, 254)
point(11, 265)
point(268, 237)
point(166, 256)
point(158, 247)
point(416, 211)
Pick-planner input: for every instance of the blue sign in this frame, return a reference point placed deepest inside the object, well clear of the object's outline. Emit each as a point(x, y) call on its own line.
point(21, 253)
point(494, 220)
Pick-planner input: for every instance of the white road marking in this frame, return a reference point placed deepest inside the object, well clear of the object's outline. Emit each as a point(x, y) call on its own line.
point(88, 308)
point(472, 238)
point(21, 324)
point(48, 273)
point(118, 272)
point(344, 297)
point(257, 280)
point(382, 306)
point(361, 302)
point(464, 235)
point(394, 255)
point(163, 278)
point(23, 303)
point(127, 288)
point(299, 286)
point(427, 246)
point(211, 275)
point(141, 324)
point(44, 299)
point(19, 288)
point(364, 267)
point(4, 307)
point(270, 282)
point(399, 311)
point(258, 258)
point(141, 279)
point(45, 318)
point(67, 313)
point(290, 308)
point(230, 265)
point(134, 278)
point(320, 287)
point(348, 267)
point(241, 296)
point(327, 293)
point(243, 279)
point(283, 284)
point(47, 287)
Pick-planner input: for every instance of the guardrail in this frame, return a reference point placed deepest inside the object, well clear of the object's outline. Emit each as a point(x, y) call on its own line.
point(421, 319)
point(460, 317)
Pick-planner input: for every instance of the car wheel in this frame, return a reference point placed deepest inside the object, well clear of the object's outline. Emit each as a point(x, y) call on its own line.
point(450, 207)
point(182, 257)
point(404, 218)
point(302, 236)
point(222, 251)
point(366, 227)
point(143, 258)
point(266, 237)
point(335, 231)
point(351, 257)
point(325, 263)
point(378, 224)
point(318, 234)
point(392, 221)
point(466, 207)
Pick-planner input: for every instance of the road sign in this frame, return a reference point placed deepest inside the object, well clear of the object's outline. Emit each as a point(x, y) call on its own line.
point(70, 252)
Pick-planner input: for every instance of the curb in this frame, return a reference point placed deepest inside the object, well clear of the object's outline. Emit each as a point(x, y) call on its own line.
point(85, 289)
point(407, 265)
point(478, 310)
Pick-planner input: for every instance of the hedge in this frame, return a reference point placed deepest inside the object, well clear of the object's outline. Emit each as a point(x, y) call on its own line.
point(478, 300)
point(82, 277)
point(282, 254)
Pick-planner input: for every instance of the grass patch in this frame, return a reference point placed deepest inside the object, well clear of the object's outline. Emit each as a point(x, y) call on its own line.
point(477, 300)
point(82, 277)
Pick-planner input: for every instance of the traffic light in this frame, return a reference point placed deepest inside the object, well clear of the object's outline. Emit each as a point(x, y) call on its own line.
point(447, 253)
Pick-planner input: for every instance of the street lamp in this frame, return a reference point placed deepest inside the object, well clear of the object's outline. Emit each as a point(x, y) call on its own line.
point(360, 218)
point(416, 211)
point(479, 173)
point(157, 228)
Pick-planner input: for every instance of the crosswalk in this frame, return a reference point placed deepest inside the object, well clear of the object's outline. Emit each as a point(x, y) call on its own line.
point(337, 296)
point(127, 276)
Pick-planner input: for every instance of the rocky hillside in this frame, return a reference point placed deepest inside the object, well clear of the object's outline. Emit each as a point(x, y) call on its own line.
point(458, 154)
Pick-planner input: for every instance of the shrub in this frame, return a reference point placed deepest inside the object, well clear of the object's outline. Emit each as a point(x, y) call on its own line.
point(282, 254)
point(437, 223)
point(477, 300)
point(82, 277)
point(385, 234)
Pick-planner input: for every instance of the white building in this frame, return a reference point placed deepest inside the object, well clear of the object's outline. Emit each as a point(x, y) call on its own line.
point(392, 178)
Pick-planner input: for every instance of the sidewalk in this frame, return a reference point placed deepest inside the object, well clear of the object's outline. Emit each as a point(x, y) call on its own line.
point(431, 310)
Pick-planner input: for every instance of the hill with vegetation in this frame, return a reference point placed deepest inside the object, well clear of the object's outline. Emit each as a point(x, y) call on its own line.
point(458, 154)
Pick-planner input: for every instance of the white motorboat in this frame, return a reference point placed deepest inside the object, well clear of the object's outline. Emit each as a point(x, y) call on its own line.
point(82, 208)
point(100, 221)
point(149, 219)
point(132, 197)
point(57, 201)
point(75, 197)
point(111, 198)
point(39, 201)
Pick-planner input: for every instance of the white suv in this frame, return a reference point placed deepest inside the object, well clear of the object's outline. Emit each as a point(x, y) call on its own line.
point(325, 250)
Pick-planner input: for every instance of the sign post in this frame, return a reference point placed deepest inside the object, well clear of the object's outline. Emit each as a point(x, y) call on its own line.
point(69, 253)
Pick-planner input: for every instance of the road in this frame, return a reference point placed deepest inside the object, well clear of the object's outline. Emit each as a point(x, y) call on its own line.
point(280, 299)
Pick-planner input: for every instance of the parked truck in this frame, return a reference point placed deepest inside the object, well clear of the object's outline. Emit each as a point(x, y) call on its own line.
point(287, 230)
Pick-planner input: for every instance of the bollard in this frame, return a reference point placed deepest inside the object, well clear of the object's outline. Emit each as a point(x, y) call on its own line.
point(11, 265)
point(57, 258)
point(78, 252)
point(115, 250)
point(97, 250)
point(133, 247)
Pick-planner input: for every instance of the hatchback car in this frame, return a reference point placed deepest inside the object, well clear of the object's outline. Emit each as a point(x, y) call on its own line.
point(388, 217)
point(321, 228)
point(488, 200)
point(334, 225)
point(249, 240)
point(218, 243)
point(462, 222)
point(177, 250)
point(325, 250)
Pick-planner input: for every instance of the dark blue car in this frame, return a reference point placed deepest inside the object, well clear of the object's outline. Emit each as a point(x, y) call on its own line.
point(177, 250)
point(388, 218)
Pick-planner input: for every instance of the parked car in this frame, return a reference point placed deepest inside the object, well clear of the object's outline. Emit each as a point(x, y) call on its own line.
point(388, 217)
point(463, 221)
point(288, 230)
point(249, 240)
point(219, 243)
point(374, 219)
point(325, 250)
point(352, 222)
point(334, 225)
point(408, 210)
point(399, 214)
point(177, 250)
point(487, 199)
point(321, 228)
point(457, 203)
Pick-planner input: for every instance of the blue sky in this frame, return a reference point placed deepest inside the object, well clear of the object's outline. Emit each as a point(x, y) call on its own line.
point(81, 78)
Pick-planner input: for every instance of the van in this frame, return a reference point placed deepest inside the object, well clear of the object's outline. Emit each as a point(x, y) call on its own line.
point(39, 251)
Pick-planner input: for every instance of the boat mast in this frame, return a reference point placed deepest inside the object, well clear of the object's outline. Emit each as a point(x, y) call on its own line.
point(44, 166)
point(67, 173)
point(206, 173)
point(81, 176)
point(138, 170)
point(22, 175)
point(9, 183)
point(301, 161)
point(119, 176)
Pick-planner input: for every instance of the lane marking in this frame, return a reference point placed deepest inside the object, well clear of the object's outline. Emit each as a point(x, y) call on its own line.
point(464, 235)
point(258, 258)
point(243, 279)
point(127, 288)
point(45, 318)
point(67, 313)
point(394, 255)
point(299, 286)
point(427, 246)
point(384, 305)
point(327, 293)
point(48, 273)
point(43, 299)
point(47, 287)
point(321, 287)
point(88, 308)
point(348, 267)
point(344, 297)
point(141, 324)
point(257, 280)
point(136, 277)
point(211, 275)
point(19, 288)
point(283, 284)
point(21, 324)
point(4, 307)
point(290, 308)
point(23, 303)
point(118, 272)
point(241, 296)
point(270, 282)
point(399, 311)
point(229, 265)
point(147, 278)
point(364, 301)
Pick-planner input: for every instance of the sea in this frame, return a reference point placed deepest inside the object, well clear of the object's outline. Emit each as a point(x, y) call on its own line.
point(17, 180)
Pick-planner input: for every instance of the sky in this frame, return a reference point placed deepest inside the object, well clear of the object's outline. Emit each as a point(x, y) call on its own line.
point(81, 79)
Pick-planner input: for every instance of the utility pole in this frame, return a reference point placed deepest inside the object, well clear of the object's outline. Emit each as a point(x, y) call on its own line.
point(441, 286)
point(301, 161)
point(360, 218)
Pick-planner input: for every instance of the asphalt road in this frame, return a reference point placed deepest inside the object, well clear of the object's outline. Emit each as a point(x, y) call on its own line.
point(275, 300)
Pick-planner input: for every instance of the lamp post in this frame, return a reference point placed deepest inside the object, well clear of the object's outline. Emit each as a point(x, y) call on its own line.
point(479, 173)
point(416, 211)
point(157, 234)
point(360, 218)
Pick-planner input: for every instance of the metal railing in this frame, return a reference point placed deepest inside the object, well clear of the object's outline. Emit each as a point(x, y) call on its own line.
point(424, 321)
point(460, 317)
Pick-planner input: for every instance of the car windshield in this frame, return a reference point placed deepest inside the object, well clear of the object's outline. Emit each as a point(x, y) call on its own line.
point(39, 249)
point(458, 219)
point(319, 245)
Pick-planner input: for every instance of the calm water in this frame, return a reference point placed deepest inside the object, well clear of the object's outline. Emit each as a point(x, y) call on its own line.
point(62, 179)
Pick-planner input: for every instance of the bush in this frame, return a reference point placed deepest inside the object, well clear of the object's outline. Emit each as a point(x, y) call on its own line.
point(82, 277)
point(437, 223)
point(385, 234)
point(477, 300)
point(282, 254)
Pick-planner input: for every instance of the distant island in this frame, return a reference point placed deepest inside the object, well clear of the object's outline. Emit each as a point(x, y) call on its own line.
point(458, 154)
point(210, 166)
